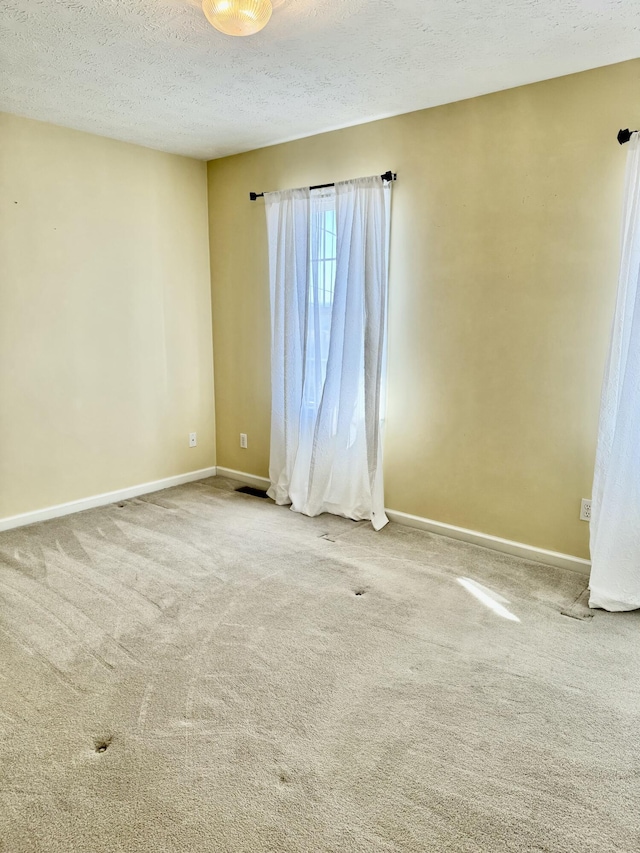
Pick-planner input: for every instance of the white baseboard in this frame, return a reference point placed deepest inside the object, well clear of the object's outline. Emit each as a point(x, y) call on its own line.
point(484, 540)
point(103, 499)
point(249, 479)
point(494, 543)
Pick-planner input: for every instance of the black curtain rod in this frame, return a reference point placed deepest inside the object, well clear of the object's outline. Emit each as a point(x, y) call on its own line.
point(625, 135)
point(388, 176)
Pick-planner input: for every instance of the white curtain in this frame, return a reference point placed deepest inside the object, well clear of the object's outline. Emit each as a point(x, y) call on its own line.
point(615, 509)
point(328, 265)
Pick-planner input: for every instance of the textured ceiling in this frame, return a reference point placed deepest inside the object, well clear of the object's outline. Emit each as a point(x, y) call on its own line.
point(158, 74)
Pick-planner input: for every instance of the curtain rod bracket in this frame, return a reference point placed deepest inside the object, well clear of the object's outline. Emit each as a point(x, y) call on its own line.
point(388, 176)
point(625, 135)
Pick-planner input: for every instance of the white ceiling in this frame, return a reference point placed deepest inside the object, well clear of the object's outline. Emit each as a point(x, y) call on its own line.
point(156, 73)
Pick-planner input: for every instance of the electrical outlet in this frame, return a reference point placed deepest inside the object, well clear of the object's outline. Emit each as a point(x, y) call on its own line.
point(243, 440)
point(193, 439)
point(585, 509)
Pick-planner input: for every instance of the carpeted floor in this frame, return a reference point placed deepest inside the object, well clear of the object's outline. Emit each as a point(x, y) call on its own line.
point(201, 671)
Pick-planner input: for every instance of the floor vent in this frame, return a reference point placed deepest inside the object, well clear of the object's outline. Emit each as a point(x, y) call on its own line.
point(249, 490)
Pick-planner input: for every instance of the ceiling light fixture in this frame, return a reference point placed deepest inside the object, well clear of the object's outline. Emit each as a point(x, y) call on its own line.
point(237, 17)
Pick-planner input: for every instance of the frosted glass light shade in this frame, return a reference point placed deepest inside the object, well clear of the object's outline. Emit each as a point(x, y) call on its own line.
point(237, 17)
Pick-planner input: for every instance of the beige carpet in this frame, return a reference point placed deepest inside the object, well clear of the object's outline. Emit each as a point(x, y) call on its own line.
point(201, 671)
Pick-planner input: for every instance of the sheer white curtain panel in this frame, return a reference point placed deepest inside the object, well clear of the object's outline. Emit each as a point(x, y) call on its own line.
point(328, 267)
point(615, 507)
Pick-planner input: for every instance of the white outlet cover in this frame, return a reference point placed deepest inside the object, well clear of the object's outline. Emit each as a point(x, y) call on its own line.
point(193, 439)
point(585, 509)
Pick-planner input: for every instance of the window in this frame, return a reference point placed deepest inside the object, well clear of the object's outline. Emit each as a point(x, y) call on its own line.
point(321, 294)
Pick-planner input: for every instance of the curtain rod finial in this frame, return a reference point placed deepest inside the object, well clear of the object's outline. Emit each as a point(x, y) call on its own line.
point(624, 135)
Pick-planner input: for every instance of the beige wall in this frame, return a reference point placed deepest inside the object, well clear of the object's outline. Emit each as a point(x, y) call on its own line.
point(504, 258)
point(105, 329)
